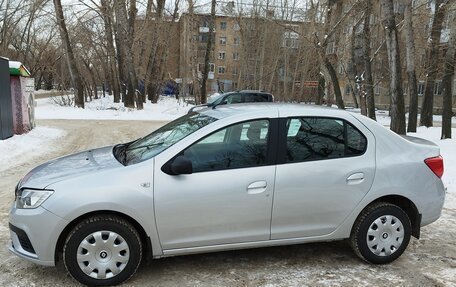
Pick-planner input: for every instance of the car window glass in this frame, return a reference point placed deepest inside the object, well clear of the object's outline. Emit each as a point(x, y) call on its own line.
point(242, 145)
point(216, 137)
point(234, 99)
point(356, 142)
point(164, 137)
point(322, 138)
point(245, 129)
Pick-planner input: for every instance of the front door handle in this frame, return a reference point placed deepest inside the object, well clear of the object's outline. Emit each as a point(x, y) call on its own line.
point(257, 187)
point(355, 178)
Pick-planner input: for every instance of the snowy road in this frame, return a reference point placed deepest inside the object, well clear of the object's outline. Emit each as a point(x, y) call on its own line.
point(430, 261)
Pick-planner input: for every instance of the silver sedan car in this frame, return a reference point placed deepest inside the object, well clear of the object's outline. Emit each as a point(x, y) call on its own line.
point(229, 177)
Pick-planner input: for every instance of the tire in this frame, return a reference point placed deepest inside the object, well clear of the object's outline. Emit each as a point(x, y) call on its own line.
point(102, 250)
point(381, 233)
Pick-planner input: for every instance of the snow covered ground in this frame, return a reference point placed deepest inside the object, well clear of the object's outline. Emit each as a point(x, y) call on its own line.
point(39, 140)
point(166, 109)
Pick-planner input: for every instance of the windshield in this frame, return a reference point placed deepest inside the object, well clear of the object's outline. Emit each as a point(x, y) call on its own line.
point(215, 99)
point(159, 140)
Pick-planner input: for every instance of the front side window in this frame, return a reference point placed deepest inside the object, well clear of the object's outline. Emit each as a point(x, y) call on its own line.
point(234, 99)
point(238, 146)
point(322, 138)
point(161, 139)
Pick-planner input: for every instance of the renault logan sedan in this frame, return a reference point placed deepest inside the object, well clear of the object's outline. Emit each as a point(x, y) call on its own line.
point(233, 177)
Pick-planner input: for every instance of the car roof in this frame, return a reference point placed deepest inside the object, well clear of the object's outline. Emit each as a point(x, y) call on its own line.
point(282, 109)
point(247, 92)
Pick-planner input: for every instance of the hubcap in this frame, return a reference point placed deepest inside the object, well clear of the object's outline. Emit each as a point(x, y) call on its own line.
point(385, 235)
point(103, 254)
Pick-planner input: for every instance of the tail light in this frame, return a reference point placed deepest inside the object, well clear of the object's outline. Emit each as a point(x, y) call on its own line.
point(436, 165)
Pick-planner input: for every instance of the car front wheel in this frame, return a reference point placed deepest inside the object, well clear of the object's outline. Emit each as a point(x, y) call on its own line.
point(381, 233)
point(102, 250)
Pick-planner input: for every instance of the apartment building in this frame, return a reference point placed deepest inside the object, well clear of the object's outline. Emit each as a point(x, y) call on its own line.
point(248, 53)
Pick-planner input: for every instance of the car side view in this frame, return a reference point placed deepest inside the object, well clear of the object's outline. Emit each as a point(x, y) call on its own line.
point(236, 97)
point(234, 177)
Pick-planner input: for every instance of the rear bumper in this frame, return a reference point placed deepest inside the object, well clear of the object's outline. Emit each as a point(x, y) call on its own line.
point(433, 209)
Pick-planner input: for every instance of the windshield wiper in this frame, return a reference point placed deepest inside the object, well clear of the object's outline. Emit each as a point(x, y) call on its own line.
point(148, 146)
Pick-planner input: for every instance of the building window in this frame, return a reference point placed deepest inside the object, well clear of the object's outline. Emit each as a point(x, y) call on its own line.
point(201, 67)
point(236, 40)
point(222, 55)
point(221, 70)
point(236, 56)
point(330, 48)
point(222, 25)
point(377, 90)
point(236, 27)
point(290, 40)
point(235, 85)
point(438, 88)
point(235, 70)
point(223, 41)
point(420, 88)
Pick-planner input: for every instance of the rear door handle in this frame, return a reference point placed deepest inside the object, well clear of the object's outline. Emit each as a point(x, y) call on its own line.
point(355, 178)
point(257, 187)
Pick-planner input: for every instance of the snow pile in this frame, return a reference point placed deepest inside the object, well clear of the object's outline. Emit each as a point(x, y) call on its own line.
point(166, 109)
point(19, 147)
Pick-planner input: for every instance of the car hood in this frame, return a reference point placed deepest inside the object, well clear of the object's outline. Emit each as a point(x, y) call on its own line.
point(70, 166)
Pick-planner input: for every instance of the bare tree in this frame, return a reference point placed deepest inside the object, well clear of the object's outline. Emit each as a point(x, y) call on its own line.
point(394, 61)
point(368, 82)
point(427, 107)
point(74, 72)
point(411, 74)
point(450, 58)
point(113, 74)
point(208, 53)
point(124, 37)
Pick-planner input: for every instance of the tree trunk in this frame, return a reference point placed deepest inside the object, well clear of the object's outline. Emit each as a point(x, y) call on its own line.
point(208, 54)
point(427, 107)
point(411, 74)
point(335, 83)
point(394, 61)
point(71, 61)
point(327, 63)
point(124, 42)
point(113, 76)
point(450, 58)
point(368, 82)
point(352, 68)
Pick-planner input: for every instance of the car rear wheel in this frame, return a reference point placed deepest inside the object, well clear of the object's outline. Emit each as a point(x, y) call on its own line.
point(381, 233)
point(102, 250)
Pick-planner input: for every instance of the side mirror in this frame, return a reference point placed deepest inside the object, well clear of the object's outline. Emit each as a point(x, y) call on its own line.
point(181, 165)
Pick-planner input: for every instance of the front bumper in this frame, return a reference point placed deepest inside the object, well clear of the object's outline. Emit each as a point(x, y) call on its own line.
point(34, 234)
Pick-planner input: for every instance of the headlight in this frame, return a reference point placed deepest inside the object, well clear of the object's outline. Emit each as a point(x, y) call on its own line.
point(31, 198)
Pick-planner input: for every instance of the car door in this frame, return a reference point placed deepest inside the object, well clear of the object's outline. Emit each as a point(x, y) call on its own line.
point(326, 167)
point(227, 198)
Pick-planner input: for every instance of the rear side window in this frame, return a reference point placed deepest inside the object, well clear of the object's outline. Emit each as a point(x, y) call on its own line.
point(251, 98)
point(313, 138)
